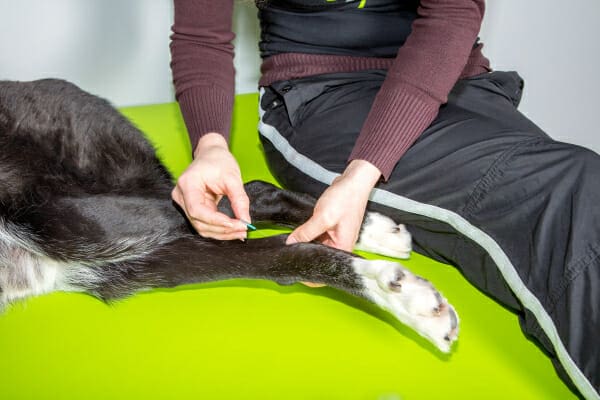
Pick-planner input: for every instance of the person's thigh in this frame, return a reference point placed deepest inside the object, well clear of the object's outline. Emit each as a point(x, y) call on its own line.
point(310, 126)
point(321, 119)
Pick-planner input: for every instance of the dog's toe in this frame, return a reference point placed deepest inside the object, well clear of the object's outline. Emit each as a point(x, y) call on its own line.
point(412, 299)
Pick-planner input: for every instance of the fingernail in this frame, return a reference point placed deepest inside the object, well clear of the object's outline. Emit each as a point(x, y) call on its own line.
point(248, 224)
point(291, 240)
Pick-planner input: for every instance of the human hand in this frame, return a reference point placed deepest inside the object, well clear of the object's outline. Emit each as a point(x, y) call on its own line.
point(214, 173)
point(339, 212)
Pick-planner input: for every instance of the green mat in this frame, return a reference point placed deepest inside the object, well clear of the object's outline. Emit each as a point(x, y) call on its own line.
point(247, 339)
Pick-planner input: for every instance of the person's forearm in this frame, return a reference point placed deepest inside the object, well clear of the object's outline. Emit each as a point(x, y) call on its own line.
point(202, 65)
point(425, 70)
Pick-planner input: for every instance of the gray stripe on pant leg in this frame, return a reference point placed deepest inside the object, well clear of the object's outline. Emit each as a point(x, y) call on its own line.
point(508, 271)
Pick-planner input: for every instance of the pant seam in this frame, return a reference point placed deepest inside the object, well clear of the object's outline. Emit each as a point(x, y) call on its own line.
point(492, 175)
point(573, 271)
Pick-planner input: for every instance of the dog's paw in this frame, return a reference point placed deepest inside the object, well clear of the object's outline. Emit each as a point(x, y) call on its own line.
point(412, 299)
point(381, 235)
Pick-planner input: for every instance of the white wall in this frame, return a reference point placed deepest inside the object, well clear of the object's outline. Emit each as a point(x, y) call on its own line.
point(114, 48)
point(118, 49)
point(555, 46)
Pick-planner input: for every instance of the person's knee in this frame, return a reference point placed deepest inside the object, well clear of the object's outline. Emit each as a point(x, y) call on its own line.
point(590, 160)
point(571, 161)
point(585, 167)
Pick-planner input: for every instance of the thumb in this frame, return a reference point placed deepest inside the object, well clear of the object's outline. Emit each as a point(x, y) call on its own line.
point(307, 232)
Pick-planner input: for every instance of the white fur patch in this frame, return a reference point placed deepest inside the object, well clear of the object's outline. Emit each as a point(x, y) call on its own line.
point(24, 274)
point(413, 300)
point(24, 270)
point(381, 235)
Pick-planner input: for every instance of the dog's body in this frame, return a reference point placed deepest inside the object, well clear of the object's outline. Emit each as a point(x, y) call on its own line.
point(85, 206)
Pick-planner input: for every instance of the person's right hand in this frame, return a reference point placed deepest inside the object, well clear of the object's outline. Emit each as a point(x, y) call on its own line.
point(214, 173)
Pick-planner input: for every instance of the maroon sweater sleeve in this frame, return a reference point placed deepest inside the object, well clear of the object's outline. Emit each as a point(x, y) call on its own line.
point(426, 68)
point(202, 65)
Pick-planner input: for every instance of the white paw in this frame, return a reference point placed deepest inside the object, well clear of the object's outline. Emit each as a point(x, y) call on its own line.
point(381, 235)
point(412, 299)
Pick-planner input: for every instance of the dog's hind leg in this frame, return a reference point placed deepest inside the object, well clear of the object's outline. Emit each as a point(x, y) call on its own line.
point(270, 204)
point(190, 259)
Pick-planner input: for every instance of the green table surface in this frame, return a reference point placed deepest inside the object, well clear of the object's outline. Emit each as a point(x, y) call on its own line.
point(246, 339)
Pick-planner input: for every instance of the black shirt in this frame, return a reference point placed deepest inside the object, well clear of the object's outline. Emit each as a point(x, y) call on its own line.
point(375, 28)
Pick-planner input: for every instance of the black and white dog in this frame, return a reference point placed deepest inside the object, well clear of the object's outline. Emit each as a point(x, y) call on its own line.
point(85, 206)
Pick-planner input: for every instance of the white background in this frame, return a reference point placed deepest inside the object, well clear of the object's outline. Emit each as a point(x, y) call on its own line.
point(118, 49)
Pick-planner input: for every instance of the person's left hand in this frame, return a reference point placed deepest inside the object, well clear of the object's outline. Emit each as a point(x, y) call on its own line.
point(339, 212)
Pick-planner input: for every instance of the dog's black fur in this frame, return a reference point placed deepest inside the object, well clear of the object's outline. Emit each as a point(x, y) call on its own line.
point(85, 205)
point(81, 183)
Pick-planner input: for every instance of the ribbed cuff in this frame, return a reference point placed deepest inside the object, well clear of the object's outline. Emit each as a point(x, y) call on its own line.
point(206, 109)
point(397, 118)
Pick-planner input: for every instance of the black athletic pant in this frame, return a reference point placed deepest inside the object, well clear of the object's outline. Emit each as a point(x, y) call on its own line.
point(483, 188)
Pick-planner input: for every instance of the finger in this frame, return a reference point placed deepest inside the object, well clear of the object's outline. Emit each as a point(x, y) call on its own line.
point(344, 237)
point(198, 201)
point(225, 236)
point(346, 245)
point(238, 198)
point(327, 241)
point(307, 232)
point(210, 221)
point(205, 229)
point(177, 196)
point(216, 231)
point(201, 208)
